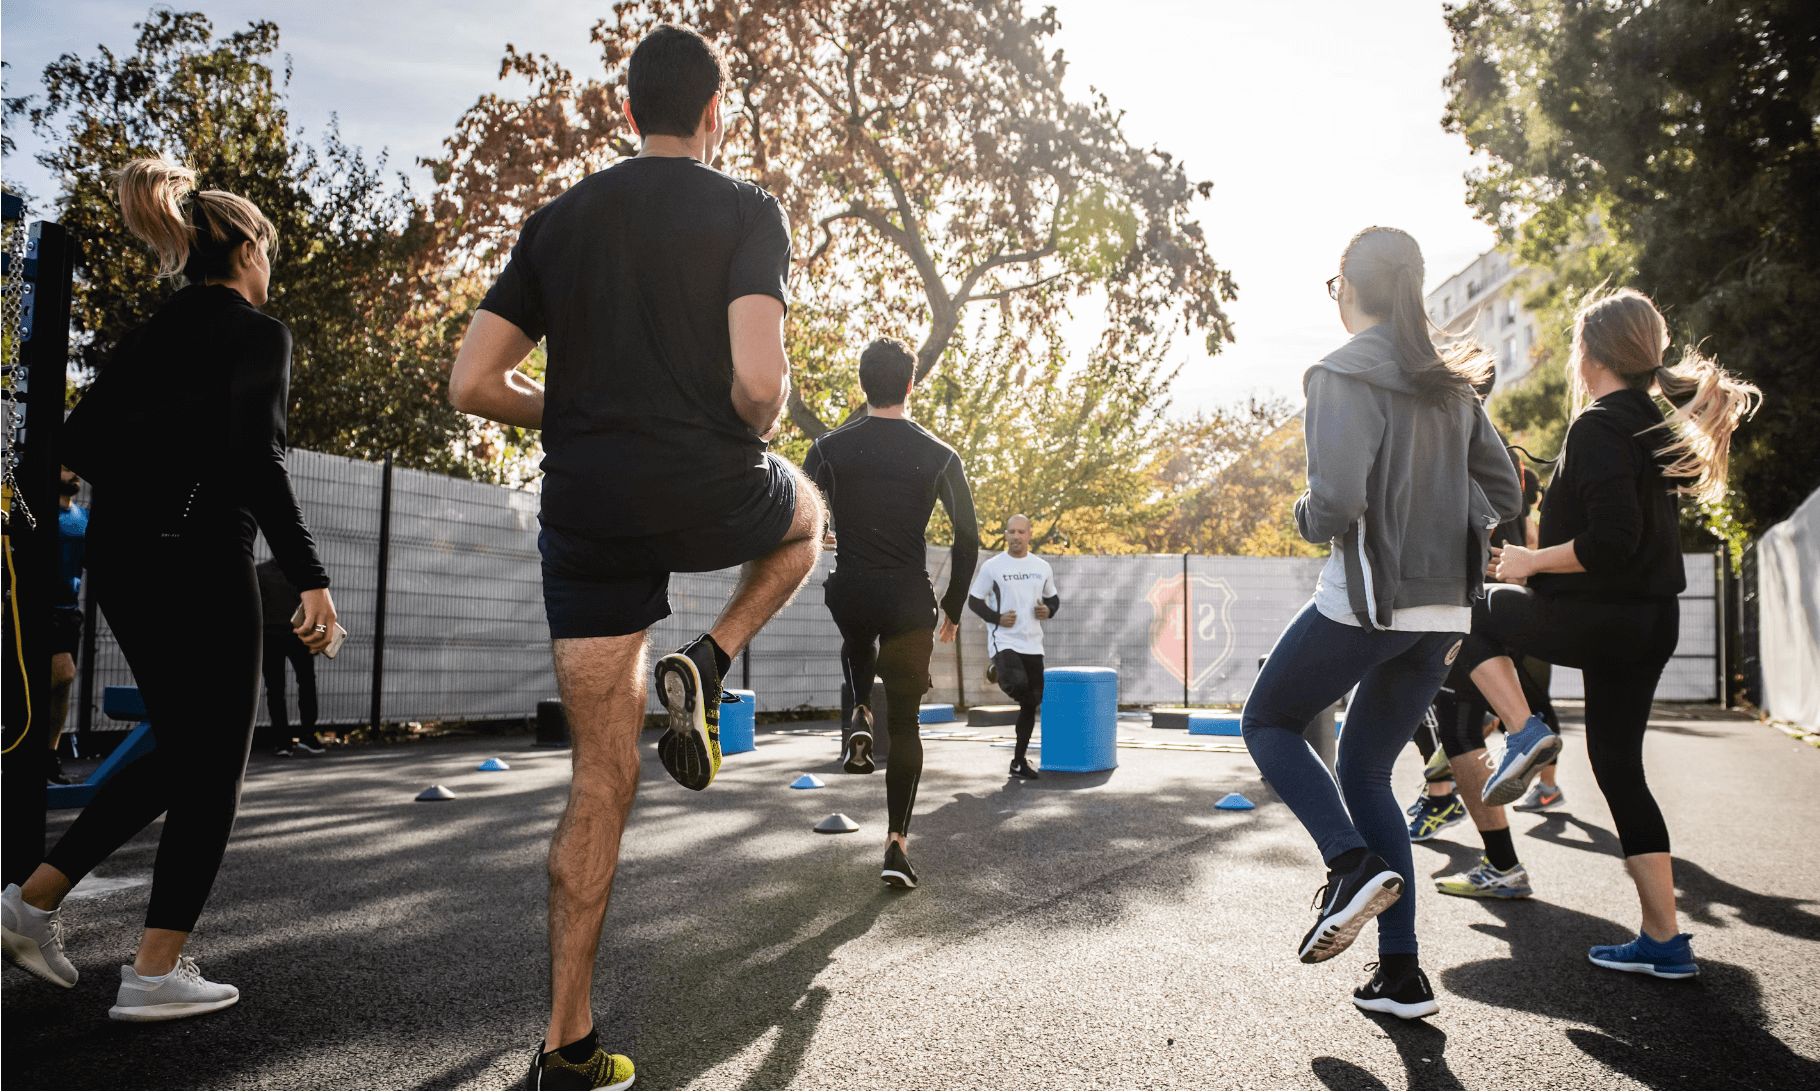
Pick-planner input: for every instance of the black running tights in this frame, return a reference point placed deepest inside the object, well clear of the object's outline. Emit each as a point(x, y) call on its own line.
point(188, 622)
point(1620, 649)
point(887, 627)
point(282, 646)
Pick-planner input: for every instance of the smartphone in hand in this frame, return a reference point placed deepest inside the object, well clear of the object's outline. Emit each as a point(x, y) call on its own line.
point(335, 638)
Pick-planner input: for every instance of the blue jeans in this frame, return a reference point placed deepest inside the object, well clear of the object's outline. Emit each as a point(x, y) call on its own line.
point(1314, 663)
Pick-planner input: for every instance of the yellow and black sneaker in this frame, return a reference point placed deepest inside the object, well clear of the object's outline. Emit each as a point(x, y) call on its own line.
point(554, 1072)
point(688, 683)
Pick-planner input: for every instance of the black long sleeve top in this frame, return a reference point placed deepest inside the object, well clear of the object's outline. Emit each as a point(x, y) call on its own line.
point(183, 434)
point(1610, 498)
point(883, 477)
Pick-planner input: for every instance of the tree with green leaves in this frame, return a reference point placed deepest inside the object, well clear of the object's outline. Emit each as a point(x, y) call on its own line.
point(352, 252)
point(1684, 133)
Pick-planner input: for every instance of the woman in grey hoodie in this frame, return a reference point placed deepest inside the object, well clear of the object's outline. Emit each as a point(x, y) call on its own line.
point(1406, 478)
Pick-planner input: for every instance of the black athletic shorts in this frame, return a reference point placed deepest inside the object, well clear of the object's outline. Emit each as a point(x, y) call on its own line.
point(66, 630)
point(595, 586)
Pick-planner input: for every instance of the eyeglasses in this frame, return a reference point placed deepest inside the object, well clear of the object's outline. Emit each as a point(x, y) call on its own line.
point(1333, 286)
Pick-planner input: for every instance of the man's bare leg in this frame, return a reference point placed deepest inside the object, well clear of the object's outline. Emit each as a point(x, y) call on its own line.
point(1470, 774)
point(768, 584)
point(602, 682)
point(1497, 681)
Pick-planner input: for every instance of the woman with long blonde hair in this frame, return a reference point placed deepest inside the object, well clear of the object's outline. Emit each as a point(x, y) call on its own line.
point(183, 437)
point(1601, 588)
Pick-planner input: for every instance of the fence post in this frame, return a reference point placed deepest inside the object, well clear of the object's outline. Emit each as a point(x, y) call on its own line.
point(1721, 623)
point(85, 687)
point(1187, 619)
point(379, 589)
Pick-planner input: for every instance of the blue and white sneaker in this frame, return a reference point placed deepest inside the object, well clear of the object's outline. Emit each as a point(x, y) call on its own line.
point(1525, 754)
point(1643, 955)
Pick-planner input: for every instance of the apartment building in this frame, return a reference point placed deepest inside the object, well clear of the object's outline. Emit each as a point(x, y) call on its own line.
point(1484, 301)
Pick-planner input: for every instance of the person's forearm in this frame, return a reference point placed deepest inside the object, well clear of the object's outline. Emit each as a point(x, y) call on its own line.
point(759, 401)
point(986, 613)
point(513, 398)
point(1557, 558)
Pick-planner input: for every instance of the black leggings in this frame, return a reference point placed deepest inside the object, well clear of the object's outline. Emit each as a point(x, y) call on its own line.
point(1021, 677)
point(188, 622)
point(1620, 649)
point(282, 645)
point(887, 627)
point(1460, 709)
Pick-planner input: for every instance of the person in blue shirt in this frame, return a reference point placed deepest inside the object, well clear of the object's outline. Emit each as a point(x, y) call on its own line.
point(66, 613)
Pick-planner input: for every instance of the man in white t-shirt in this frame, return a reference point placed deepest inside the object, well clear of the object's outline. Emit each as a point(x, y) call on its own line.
point(1015, 593)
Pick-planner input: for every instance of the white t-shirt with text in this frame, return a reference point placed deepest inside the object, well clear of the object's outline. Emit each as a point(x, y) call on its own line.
point(1008, 583)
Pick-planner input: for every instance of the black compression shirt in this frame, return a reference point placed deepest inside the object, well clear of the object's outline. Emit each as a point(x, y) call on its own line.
point(183, 434)
point(882, 477)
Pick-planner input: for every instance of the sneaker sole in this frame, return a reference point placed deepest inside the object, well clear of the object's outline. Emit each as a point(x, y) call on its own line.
point(159, 1013)
point(1400, 1010)
point(1477, 893)
point(1644, 968)
point(1504, 792)
point(1333, 935)
point(898, 879)
point(859, 753)
point(685, 748)
point(1538, 808)
point(1431, 834)
point(29, 956)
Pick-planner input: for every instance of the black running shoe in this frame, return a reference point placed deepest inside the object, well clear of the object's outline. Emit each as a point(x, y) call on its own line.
point(859, 744)
point(1410, 998)
point(688, 683)
point(608, 1070)
point(1346, 903)
point(1022, 768)
point(898, 872)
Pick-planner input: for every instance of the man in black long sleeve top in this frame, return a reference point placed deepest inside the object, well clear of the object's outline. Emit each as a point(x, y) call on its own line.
point(883, 474)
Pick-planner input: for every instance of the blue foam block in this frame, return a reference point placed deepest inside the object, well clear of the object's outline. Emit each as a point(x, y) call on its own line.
point(1080, 719)
point(807, 780)
point(1235, 802)
point(935, 714)
point(492, 765)
point(1213, 723)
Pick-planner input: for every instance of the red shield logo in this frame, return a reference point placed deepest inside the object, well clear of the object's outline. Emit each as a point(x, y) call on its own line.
point(1190, 626)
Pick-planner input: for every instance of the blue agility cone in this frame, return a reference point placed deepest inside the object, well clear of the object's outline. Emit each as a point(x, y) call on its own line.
point(492, 765)
point(1235, 802)
point(807, 780)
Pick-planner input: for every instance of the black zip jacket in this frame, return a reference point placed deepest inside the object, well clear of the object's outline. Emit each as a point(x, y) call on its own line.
point(183, 435)
point(1610, 499)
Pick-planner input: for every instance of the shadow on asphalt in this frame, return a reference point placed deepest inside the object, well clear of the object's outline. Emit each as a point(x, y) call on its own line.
point(1699, 890)
point(1421, 1046)
point(1553, 829)
point(1639, 1026)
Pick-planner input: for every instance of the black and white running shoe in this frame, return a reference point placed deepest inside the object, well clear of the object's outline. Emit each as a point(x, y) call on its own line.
point(1410, 998)
point(1346, 903)
point(898, 872)
point(1022, 768)
point(858, 758)
point(688, 683)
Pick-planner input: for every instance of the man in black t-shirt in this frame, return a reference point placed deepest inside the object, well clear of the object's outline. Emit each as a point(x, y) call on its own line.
point(658, 288)
point(882, 475)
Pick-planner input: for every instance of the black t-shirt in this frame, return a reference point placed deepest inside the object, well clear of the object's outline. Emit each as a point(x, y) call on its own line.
point(882, 477)
point(627, 277)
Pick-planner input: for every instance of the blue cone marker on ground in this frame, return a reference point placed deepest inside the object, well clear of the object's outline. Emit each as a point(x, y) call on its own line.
point(435, 793)
point(492, 765)
point(1235, 802)
point(807, 780)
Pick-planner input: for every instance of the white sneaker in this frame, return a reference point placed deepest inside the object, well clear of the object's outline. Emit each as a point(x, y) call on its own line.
point(182, 992)
point(33, 939)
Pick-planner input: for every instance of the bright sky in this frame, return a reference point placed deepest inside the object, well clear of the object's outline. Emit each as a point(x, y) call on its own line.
point(1313, 118)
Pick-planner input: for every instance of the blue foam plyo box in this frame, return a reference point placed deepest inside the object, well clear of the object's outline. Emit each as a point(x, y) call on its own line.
point(1080, 719)
point(1213, 723)
point(738, 722)
point(935, 714)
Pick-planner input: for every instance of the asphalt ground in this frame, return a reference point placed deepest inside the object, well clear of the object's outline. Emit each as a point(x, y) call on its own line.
point(1108, 930)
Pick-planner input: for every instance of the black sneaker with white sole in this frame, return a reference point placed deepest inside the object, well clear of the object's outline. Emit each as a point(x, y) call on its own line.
point(1022, 768)
point(898, 872)
point(1410, 997)
point(858, 758)
point(688, 684)
point(1346, 903)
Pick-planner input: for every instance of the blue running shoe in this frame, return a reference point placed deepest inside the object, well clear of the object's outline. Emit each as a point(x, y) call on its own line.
point(1674, 959)
point(1525, 753)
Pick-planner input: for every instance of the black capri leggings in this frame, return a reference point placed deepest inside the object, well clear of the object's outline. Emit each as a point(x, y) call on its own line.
point(1460, 709)
point(887, 625)
point(188, 621)
point(1620, 649)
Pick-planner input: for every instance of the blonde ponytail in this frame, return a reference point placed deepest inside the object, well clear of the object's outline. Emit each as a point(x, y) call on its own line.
point(198, 245)
point(1624, 332)
point(150, 192)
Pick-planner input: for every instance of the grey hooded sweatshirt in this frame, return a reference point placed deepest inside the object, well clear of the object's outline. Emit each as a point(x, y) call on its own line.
point(1406, 489)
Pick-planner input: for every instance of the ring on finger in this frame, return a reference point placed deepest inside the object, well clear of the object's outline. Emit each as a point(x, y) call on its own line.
point(322, 628)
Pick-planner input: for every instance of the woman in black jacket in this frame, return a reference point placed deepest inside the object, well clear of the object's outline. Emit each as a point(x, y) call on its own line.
point(183, 437)
point(1601, 589)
